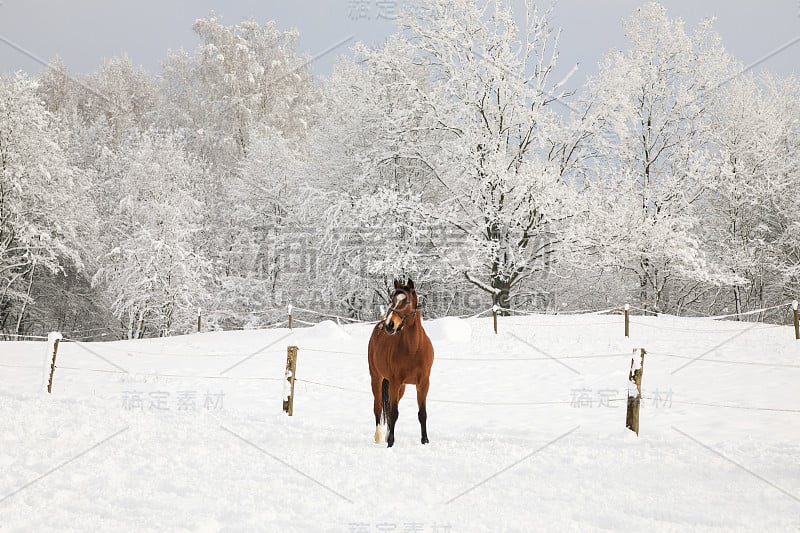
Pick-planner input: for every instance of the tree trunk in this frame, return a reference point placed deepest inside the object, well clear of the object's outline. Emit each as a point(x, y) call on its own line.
point(644, 292)
point(26, 300)
point(649, 294)
point(737, 298)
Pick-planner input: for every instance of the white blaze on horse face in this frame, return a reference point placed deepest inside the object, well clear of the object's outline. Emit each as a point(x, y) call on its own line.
point(400, 297)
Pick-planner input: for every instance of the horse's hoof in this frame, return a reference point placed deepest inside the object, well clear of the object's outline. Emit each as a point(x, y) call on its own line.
point(425, 440)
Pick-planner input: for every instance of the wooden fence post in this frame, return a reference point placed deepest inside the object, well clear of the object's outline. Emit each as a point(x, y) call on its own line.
point(291, 369)
point(627, 320)
point(199, 318)
point(290, 316)
point(796, 322)
point(634, 398)
point(495, 308)
point(52, 341)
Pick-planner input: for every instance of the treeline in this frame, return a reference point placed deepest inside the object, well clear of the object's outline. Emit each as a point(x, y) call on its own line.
point(236, 182)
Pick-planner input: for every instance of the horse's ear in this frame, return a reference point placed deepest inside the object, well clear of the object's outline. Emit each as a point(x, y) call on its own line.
point(410, 284)
point(396, 284)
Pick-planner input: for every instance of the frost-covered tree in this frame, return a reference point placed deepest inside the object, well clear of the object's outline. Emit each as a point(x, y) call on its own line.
point(649, 122)
point(241, 81)
point(460, 106)
point(57, 89)
point(260, 271)
point(505, 154)
point(124, 98)
point(151, 273)
point(753, 203)
point(240, 76)
point(44, 216)
point(105, 110)
point(373, 186)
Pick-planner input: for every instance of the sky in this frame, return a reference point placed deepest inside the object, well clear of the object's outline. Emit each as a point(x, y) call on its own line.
point(83, 33)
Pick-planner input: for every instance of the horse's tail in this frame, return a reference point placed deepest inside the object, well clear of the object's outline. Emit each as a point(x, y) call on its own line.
point(385, 401)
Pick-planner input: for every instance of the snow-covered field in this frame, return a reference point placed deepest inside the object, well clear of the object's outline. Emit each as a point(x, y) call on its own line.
point(527, 432)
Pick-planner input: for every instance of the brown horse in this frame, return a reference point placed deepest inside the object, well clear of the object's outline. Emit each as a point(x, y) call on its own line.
point(400, 353)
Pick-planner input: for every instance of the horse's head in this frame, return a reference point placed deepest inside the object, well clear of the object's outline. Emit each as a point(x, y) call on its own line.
point(403, 307)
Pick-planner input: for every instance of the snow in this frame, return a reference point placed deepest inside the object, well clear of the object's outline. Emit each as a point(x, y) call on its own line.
point(144, 449)
point(448, 330)
point(327, 330)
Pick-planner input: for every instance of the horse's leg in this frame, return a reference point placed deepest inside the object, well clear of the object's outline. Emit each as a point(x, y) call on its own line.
point(395, 392)
point(377, 405)
point(422, 394)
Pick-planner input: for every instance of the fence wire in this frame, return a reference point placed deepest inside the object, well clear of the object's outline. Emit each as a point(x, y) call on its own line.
point(452, 359)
